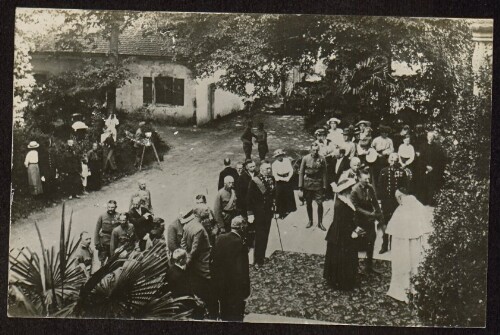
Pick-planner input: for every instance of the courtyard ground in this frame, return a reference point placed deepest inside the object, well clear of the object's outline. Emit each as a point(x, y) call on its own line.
point(192, 167)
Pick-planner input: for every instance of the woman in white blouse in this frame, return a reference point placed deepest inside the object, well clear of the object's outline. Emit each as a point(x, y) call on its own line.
point(282, 172)
point(31, 163)
point(406, 153)
point(111, 123)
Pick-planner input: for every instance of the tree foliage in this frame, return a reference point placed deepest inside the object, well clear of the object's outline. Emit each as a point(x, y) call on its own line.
point(451, 284)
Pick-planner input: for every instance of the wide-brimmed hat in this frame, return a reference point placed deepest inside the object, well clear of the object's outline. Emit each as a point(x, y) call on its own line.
point(186, 216)
point(333, 119)
point(33, 145)
point(79, 125)
point(278, 152)
point(366, 123)
point(343, 184)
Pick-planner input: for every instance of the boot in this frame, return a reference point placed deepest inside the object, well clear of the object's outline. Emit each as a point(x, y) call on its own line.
point(320, 226)
point(309, 224)
point(385, 244)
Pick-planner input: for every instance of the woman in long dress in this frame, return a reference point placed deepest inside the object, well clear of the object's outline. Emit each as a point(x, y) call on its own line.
point(341, 260)
point(409, 227)
point(31, 163)
point(282, 172)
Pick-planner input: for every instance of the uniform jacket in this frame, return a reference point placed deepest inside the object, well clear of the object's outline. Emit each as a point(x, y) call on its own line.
point(312, 175)
point(241, 188)
point(257, 201)
point(104, 227)
point(174, 235)
point(229, 267)
point(390, 179)
point(197, 244)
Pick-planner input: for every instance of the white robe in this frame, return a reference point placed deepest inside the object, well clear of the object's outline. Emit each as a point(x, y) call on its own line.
point(409, 227)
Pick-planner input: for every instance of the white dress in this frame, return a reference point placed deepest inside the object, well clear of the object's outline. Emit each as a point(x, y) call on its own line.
point(336, 137)
point(409, 227)
point(111, 125)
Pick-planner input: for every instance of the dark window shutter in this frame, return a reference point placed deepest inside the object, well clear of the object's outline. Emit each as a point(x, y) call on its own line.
point(178, 92)
point(147, 90)
point(161, 90)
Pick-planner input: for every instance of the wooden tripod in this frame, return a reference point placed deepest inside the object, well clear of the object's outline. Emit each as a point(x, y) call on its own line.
point(154, 150)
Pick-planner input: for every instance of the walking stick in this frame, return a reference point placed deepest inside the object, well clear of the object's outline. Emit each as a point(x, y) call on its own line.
point(278, 226)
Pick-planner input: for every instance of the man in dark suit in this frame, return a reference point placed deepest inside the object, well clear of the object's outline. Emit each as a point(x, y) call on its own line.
point(228, 171)
point(142, 219)
point(260, 203)
point(367, 211)
point(230, 274)
point(336, 165)
point(241, 186)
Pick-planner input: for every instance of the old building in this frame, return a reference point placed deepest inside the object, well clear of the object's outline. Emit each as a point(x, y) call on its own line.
point(159, 82)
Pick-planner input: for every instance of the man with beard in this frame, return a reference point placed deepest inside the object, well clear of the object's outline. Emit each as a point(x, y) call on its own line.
point(225, 205)
point(242, 186)
point(104, 227)
point(229, 269)
point(367, 211)
point(260, 203)
point(313, 182)
point(391, 179)
point(228, 171)
point(122, 235)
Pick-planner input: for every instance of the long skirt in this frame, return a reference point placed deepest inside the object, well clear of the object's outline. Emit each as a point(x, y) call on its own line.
point(341, 265)
point(406, 256)
point(34, 180)
point(285, 198)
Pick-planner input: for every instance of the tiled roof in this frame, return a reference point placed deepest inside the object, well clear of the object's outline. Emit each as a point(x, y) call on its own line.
point(131, 42)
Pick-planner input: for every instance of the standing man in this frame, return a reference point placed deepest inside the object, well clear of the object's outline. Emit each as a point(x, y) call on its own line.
point(225, 205)
point(144, 194)
point(142, 219)
point(176, 276)
point(391, 179)
point(72, 168)
point(246, 138)
point(367, 211)
point(122, 235)
point(430, 169)
point(260, 203)
point(230, 273)
point(242, 186)
point(104, 227)
point(337, 165)
point(95, 165)
point(196, 243)
point(239, 168)
point(325, 149)
point(384, 147)
point(313, 182)
point(48, 171)
point(84, 255)
point(175, 230)
point(261, 137)
point(228, 171)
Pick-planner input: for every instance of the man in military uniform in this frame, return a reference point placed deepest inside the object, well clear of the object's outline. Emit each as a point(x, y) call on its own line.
point(104, 227)
point(84, 255)
point(367, 211)
point(122, 235)
point(313, 183)
point(391, 178)
point(324, 144)
point(225, 205)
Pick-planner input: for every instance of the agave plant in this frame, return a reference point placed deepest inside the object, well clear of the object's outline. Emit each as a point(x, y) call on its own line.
point(133, 288)
point(46, 285)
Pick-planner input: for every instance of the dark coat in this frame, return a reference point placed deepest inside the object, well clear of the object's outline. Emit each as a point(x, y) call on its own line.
point(178, 282)
point(174, 235)
point(331, 163)
point(257, 202)
point(241, 188)
point(196, 242)
point(229, 267)
point(228, 171)
point(142, 225)
point(365, 201)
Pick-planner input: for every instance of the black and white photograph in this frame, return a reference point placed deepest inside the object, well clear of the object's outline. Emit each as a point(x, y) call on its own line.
point(255, 168)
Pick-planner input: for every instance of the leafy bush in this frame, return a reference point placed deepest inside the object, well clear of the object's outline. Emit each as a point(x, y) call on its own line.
point(451, 284)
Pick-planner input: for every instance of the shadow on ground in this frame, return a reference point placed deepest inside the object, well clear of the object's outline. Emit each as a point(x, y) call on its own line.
point(291, 284)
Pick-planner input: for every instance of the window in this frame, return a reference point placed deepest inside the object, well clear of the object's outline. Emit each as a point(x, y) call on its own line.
point(163, 90)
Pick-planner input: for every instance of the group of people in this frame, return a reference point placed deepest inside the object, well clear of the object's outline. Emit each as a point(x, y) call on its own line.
point(371, 187)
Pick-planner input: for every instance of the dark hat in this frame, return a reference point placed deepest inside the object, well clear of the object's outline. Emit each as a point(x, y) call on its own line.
point(384, 129)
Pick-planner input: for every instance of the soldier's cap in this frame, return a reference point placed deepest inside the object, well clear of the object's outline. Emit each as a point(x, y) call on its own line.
point(320, 131)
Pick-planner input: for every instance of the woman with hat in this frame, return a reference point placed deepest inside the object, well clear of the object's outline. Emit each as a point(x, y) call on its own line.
point(31, 163)
point(335, 134)
point(364, 129)
point(283, 172)
point(341, 260)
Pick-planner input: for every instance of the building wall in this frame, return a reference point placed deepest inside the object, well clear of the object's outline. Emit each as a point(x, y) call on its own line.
point(130, 96)
point(224, 102)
